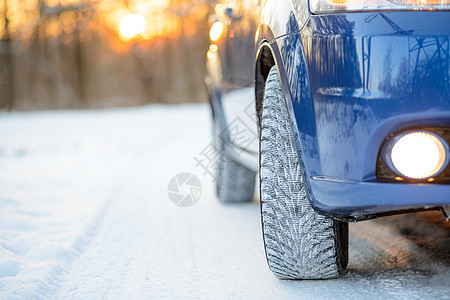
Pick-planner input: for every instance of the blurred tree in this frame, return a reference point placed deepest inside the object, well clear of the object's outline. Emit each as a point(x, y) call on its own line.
point(7, 97)
point(71, 53)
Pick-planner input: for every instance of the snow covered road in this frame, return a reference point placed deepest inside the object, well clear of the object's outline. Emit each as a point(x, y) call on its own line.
point(85, 214)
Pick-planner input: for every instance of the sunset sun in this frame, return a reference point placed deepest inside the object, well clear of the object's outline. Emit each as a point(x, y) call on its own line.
point(132, 25)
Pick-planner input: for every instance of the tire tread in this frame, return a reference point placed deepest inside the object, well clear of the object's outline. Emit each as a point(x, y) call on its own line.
point(299, 242)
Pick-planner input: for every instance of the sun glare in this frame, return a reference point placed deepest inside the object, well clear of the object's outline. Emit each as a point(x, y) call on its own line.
point(216, 31)
point(132, 25)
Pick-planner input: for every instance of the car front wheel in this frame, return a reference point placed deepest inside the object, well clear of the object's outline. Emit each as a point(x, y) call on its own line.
point(299, 242)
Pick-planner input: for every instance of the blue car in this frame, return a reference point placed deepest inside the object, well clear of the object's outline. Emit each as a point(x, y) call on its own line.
point(341, 106)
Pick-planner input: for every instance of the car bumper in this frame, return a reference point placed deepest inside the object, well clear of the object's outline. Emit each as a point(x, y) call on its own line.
point(364, 200)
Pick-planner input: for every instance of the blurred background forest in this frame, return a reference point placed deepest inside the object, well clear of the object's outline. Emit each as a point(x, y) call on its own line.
point(101, 53)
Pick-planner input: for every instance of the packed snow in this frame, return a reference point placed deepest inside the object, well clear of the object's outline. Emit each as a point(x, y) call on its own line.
point(85, 213)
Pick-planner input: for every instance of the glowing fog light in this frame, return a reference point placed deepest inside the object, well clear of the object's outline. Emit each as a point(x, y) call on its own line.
point(418, 155)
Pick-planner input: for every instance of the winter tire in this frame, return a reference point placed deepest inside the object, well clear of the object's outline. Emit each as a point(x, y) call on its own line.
point(235, 183)
point(300, 243)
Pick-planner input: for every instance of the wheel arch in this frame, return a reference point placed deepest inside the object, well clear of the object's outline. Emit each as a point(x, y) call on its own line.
point(265, 60)
point(267, 56)
point(300, 104)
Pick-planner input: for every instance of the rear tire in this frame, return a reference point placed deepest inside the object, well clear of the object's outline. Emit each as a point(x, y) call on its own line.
point(235, 183)
point(300, 243)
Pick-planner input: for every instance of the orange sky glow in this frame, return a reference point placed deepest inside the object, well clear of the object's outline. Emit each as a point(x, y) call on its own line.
point(161, 19)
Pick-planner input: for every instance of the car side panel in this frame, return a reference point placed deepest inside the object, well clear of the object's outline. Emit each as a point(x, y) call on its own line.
point(231, 67)
point(275, 15)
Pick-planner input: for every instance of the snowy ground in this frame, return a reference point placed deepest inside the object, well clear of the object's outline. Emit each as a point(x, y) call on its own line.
point(85, 213)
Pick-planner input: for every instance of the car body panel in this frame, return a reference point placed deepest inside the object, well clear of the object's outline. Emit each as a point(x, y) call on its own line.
point(351, 80)
point(372, 78)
